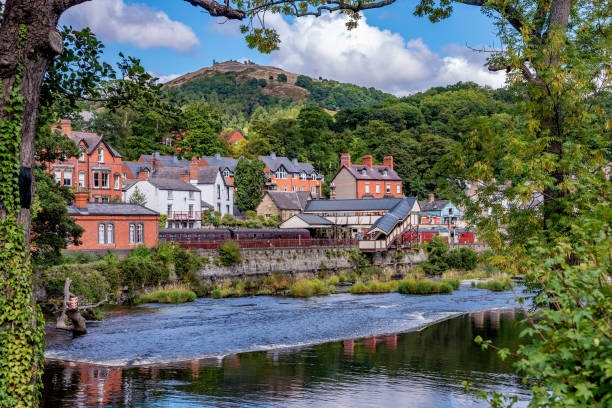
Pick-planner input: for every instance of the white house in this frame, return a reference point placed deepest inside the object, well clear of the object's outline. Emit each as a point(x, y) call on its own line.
point(178, 199)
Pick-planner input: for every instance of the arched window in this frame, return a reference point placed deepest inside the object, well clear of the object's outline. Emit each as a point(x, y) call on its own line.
point(314, 176)
point(117, 177)
point(303, 176)
point(281, 173)
point(110, 234)
point(100, 154)
point(140, 237)
point(132, 234)
point(101, 234)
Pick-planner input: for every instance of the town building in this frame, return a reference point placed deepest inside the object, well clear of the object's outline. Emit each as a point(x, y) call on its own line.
point(176, 198)
point(98, 168)
point(290, 175)
point(439, 212)
point(233, 138)
point(226, 164)
point(156, 160)
point(284, 204)
point(365, 180)
point(113, 226)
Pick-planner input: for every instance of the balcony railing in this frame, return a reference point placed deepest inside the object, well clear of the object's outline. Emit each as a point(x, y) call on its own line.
point(184, 216)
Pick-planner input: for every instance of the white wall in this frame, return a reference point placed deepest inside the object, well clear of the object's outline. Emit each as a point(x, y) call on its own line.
point(209, 195)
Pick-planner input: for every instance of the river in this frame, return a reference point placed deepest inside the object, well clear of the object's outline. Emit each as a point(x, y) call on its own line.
point(335, 351)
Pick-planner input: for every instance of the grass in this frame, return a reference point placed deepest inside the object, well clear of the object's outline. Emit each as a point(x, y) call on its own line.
point(167, 295)
point(310, 287)
point(494, 285)
point(423, 287)
point(373, 286)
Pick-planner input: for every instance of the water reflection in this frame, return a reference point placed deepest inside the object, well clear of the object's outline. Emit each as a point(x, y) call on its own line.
point(416, 369)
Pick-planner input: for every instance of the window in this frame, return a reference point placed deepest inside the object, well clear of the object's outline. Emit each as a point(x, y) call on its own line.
point(104, 180)
point(313, 191)
point(81, 179)
point(226, 173)
point(219, 207)
point(388, 188)
point(218, 191)
point(363, 172)
point(117, 181)
point(227, 193)
point(170, 195)
point(100, 154)
point(303, 176)
point(68, 178)
point(301, 188)
point(450, 211)
point(96, 176)
point(191, 195)
point(101, 234)
point(313, 177)
point(285, 188)
point(110, 234)
point(367, 188)
point(399, 188)
point(105, 199)
point(281, 173)
point(169, 210)
point(124, 175)
point(227, 209)
point(82, 155)
point(136, 233)
point(385, 172)
point(190, 210)
point(295, 175)
point(377, 188)
point(294, 188)
point(58, 176)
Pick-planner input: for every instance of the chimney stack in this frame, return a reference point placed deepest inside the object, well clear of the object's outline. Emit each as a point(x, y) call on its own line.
point(345, 160)
point(367, 160)
point(273, 155)
point(432, 197)
point(388, 161)
point(194, 169)
point(217, 155)
point(80, 199)
point(143, 174)
point(66, 126)
point(185, 176)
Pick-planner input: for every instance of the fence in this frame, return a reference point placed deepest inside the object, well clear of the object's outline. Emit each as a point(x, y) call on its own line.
point(275, 243)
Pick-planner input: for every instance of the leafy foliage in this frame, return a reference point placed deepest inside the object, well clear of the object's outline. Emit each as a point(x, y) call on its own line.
point(138, 197)
point(229, 253)
point(249, 178)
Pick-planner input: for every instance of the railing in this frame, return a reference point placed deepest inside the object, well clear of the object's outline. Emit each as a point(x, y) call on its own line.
point(275, 243)
point(184, 216)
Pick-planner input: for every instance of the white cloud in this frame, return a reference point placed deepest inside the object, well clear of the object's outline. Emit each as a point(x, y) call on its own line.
point(136, 23)
point(370, 56)
point(162, 79)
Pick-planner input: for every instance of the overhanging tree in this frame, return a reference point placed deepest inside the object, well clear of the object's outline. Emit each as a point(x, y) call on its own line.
point(556, 51)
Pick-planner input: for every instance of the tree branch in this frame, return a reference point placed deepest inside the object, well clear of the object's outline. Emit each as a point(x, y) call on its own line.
point(218, 10)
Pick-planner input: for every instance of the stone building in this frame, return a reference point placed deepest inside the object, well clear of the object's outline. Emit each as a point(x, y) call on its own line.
point(284, 204)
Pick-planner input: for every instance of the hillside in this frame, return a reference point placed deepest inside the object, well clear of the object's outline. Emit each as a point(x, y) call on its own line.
point(267, 86)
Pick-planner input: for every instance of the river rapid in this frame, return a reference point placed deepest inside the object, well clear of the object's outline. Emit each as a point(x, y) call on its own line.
point(336, 351)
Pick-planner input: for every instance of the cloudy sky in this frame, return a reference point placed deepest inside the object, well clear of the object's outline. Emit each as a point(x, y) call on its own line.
point(391, 49)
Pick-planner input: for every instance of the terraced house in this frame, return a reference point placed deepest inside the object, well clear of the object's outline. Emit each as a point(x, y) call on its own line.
point(98, 168)
point(290, 175)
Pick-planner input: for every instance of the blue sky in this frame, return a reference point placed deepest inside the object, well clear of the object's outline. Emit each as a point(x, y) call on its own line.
point(391, 50)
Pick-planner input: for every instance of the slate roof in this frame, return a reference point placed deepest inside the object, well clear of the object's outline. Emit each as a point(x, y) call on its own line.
point(135, 167)
point(217, 160)
point(437, 205)
point(127, 184)
point(397, 213)
point(372, 173)
point(170, 172)
point(273, 162)
point(289, 200)
point(172, 184)
point(166, 161)
point(313, 219)
point(91, 141)
point(110, 209)
point(353, 204)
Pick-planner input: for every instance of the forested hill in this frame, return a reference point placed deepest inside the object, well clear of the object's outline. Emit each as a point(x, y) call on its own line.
point(243, 87)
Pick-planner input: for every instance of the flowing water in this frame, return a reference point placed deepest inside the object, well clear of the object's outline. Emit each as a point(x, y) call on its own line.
point(335, 351)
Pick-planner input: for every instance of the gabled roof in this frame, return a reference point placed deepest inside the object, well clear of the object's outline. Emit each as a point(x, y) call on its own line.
point(289, 200)
point(127, 184)
point(436, 205)
point(352, 204)
point(92, 140)
point(208, 175)
point(217, 160)
point(166, 161)
point(110, 209)
point(372, 173)
point(136, 167)
point(313, 219)
point(174, 184)
point(273, 162)
point(397, 214)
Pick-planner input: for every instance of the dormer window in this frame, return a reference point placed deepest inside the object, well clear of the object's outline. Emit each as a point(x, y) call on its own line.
point(303, 176)
point(226, 173)
point(100, 154)
point(364, 172)
point(313, 177)
point(385, 172)
point(281, 173)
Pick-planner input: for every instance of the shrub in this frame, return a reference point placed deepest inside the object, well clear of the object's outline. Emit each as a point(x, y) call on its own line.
point(229, 253)
point(228, 219)
point(455, 283)
point(185, 262)
point(195, 283)
point(250, 214)
point(423, 287)
point(310, 287)
point(372, 286)
point(167, 296)
point(141, 252)
point(462, 258)
point(495, 285)
point(281, 77)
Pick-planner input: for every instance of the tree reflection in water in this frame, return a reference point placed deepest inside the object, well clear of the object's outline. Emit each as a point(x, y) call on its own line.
point(424, 367)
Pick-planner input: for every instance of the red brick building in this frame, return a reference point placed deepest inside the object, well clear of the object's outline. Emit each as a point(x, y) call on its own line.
point(290, 175)
point(366, 180)
point(97, 169)
point(113, 226)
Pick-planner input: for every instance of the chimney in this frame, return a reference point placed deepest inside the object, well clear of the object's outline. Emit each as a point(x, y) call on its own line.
point(273, 155)
point(388, 161)
point(185, 176)
point(432, 197)
point(294, 161)
point(194, 169)
point(345, 160)
point(217, 155)
point(80, 199)
point(66, 126)
point(143, 174)
point(367, 160)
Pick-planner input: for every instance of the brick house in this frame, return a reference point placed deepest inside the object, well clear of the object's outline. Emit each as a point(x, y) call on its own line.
point(233, 138)
point(366, 180)
point(97, 169)
point(290, 175)
point(285, 204)
point(113, 226)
